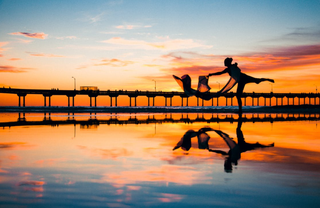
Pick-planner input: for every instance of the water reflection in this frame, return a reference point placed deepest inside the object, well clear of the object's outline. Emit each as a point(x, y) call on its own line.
point(126, 160)
point(93, 119)
point(235, 149)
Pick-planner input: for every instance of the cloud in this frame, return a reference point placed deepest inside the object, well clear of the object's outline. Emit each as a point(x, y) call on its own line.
point(164, 44)
point(272, 59)
point(301, 34)
point(45, 55)
point(94, 18)
point(3, 44)
point(14, 59)
point(114, 63)
point(2, 49)
point(67, 37)
point(13, 69)
point(281, 58)
point(31, 35)
point(108, 62)
point(131, 27)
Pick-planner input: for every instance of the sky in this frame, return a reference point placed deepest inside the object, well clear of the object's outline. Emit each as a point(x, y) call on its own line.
point(130, 45)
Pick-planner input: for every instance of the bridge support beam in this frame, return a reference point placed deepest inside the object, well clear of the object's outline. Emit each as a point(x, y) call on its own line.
point(23, 100)
point(95, 101)
point(270, 101)
point(135, 101)
point(45, 100)
point(72, 100)
point(166, 102)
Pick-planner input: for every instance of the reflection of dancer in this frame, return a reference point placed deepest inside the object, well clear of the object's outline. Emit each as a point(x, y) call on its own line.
point(203, 138)
point(236, 76)
point(232, 156)
point(236, 149)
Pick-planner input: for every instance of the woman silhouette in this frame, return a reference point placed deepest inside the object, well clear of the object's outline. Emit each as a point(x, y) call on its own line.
point(236, 76)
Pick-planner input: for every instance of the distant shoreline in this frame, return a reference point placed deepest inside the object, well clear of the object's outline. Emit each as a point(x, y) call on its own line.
point(164, 109)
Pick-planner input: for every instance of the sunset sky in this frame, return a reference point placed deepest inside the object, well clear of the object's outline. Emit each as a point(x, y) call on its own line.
point(122, 44)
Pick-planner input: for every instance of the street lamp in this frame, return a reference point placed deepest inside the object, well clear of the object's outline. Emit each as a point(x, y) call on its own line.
point(74, 83)
point(155, 85)
point(271, 87)
point(316, 88)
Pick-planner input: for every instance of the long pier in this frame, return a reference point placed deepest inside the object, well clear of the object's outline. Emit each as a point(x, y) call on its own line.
point(302, 98)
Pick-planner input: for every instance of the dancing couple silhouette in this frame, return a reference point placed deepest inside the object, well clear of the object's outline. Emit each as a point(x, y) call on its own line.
point(236, 77)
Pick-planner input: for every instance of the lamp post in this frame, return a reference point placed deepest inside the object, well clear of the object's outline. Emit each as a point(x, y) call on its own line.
point(316, 88)
point(155, 85)
point(219, 85)
point(271, 87)
point(74, 83)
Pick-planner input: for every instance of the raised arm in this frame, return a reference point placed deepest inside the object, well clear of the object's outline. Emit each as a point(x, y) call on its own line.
point(218, 73)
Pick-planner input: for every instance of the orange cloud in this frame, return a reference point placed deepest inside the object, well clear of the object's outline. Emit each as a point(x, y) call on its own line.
point(13, 69)
point(296, 59)
point(46, 55)
point(2, 49)
point(31, 35)
point(109, 62)
point(164, 44)
point(114, 62)
point(14, 59)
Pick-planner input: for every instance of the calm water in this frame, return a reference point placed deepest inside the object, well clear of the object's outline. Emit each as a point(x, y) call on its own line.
point(159, 160)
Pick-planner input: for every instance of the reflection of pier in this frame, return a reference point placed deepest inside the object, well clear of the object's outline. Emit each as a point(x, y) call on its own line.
point(279, 98)
point(114, 120)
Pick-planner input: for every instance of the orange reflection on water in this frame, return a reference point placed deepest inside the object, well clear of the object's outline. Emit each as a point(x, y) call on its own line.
point(127, 156)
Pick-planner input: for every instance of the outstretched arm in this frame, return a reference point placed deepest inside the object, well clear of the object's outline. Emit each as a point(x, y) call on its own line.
point(218, 73)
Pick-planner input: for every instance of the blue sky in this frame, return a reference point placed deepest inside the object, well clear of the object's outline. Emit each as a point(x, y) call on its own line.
point(123, 44)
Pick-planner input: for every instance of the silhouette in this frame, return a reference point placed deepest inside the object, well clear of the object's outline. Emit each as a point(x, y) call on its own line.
point(185, 84)
point(236, 77)
point(203, 139)
point(233, 155)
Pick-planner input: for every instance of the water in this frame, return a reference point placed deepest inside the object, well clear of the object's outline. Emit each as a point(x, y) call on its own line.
point(127, 160)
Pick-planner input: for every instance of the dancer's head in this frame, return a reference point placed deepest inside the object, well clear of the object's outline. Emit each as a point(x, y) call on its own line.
point(228, 61)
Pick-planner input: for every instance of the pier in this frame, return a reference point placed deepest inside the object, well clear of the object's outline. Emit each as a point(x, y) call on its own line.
point(279, 98)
